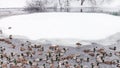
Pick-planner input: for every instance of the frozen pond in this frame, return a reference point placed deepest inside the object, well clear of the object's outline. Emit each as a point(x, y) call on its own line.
point(62, 25)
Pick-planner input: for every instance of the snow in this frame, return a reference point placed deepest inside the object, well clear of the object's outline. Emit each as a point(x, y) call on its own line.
point(84, 26)
point(110, 40)
point(64, 42)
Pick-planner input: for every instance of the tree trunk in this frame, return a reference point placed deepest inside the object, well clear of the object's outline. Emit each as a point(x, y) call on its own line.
point(82, 2)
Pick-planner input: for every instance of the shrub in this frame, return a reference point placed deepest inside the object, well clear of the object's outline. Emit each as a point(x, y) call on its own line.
point(35, 6)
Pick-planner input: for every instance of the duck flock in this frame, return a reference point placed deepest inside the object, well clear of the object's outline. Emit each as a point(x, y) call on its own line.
point(24, 53)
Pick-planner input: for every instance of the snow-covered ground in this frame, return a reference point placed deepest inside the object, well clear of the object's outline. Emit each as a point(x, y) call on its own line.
point(111, 40)
point(37, 54)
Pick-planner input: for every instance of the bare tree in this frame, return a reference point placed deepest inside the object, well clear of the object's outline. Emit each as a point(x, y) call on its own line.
point(67, 2)
point(1, 32)
point(95, 2)
point(67, 5)
point(82, 2)
point(35, 6)
point(60, 3)
point(55, 7)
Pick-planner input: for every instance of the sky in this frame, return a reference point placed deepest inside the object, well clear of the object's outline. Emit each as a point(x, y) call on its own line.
point(84, 26)
point(12, 3)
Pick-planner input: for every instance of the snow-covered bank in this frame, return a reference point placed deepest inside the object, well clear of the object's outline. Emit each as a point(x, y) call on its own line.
point(62, 25)
point(110, 40)
point(16, 53)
